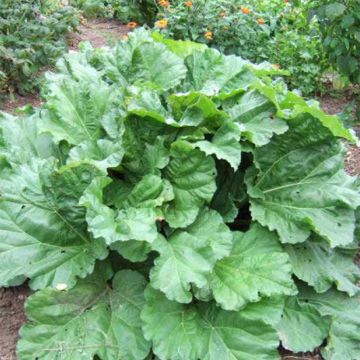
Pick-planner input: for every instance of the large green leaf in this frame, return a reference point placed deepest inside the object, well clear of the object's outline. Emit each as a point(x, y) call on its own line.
point(103, 153)
point(43, 230)
point(301, 186)
point(321, 267)
point(90, 319)
point(75, 109)
point(154, 63)
point(256, 267)
point(225, 145)
point(212, 73)
point(146, 103)
point(291, 106)
point(133, 250)
point(189, 256)
point(21, 133)
point(302, 328)
point(195, 109)
point(344, 338)
point(203, 331)
point(192, 175)
point(257, 116)
point(131, 223)
point(150, 192)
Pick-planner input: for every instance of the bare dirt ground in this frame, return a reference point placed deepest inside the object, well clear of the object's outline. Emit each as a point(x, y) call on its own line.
point(101, 33)
point(11, 318)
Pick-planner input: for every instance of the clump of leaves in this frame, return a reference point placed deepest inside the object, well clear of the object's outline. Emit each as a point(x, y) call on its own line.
point(340, 27)
point(30, 39)
point(171, 201)
point(141, 11)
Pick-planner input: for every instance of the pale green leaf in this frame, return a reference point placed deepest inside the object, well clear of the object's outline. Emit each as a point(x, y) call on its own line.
point(19, 133)
point(154, 63)
point(301, 186)
point(103, 153)
point(74, 110)
point(302, 328)
point(256, 267)
point(203, 331)
point(90, 319)
point(116, 225)
point(212, 73)
point(192, 176)
point(189, 256)
point(195, 109)
point(225, 145)
point(43, 230)
point(344, 337)
point(257, 117)
point(133, 250)
point(321, 267)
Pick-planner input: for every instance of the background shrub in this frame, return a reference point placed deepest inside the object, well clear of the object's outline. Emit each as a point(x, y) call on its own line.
point(32, 35)
point(340, 28)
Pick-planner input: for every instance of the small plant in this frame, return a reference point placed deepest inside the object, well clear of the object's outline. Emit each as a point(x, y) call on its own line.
point(169, 200)
point(30, 39)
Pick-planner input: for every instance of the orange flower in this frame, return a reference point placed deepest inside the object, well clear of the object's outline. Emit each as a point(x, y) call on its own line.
point(162, 24)
point(188, 4)
point(276, 66)
point(164, 3)
point(132, 24)
point(261, 21)
point(245, 10)
point(125, 37)
point(209, 35)
point(286, 1)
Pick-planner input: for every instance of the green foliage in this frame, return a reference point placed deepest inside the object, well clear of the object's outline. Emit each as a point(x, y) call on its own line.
point(188, 205)
point(140, 11)
point(30, 39)
point(340, 27)
point(272, 31)
point(94, 8)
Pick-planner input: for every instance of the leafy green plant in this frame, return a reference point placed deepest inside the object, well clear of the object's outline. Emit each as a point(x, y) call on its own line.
point(273, 31)
point(94, 8)
point(30, 39)
point(171, 200)
point(340, 27)
point(140, 11)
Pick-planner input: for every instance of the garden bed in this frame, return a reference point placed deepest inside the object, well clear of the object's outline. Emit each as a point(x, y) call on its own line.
point(99, 33)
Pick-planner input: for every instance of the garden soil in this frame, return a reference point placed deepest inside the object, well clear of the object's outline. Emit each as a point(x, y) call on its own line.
point(100, 33)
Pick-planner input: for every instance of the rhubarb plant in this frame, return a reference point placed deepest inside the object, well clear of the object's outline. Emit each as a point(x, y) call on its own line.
point(170, 202)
